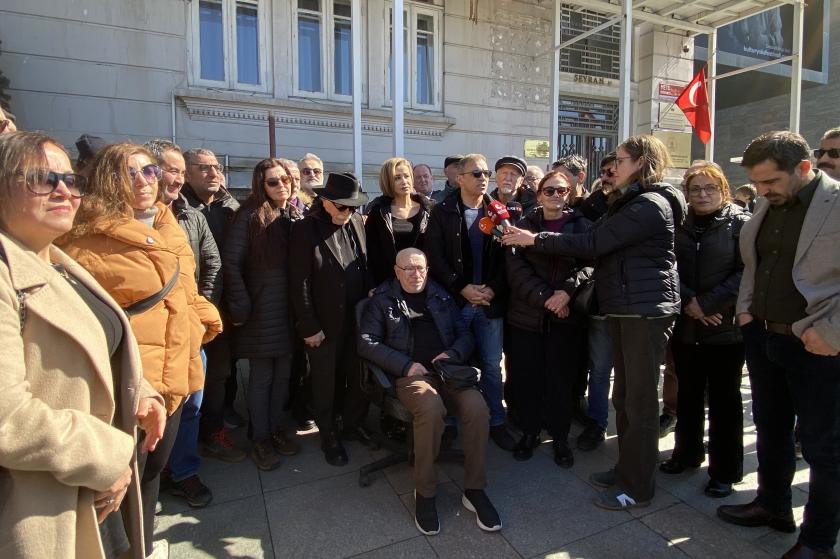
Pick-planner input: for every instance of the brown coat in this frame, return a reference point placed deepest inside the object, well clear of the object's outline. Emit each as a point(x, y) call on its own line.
point(57, 445)
point(132, 262)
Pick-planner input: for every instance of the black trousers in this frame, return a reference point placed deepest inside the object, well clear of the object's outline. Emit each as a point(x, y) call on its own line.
point(218, 372)
point(545, 367)
point(719, 366)
point(337, 381)
point(149, 466)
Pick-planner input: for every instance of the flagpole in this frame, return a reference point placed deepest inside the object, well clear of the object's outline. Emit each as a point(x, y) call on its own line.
point(674, 102)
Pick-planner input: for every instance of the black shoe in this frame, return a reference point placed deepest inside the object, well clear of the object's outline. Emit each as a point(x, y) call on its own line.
point(192, 490)
point(305, 425)
point(580, 411)
point(667, 424)
point(800, 551)
point(525, 447)
point(265, 456)
point(717, 489)
point(284, 444)
point(591, 437)
point(753, 514)
point(499, 434)
point(486, 516)
point(675, 466)
point(334, 452)
point(450, 433)
point(603, 479)
point(218, 445)
point(359, 434)
point(563, 456)
point(425, 515)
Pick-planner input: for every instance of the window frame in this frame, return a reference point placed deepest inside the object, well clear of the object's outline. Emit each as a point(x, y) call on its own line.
point(412, 10)
point(328, 20)
point(229, 54)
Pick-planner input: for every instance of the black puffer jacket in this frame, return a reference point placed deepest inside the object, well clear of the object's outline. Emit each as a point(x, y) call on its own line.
point(385, 336)
point(379, 229)
point(448, 250)
point(257, 285)
point(208, 262)
point(534, 275)
point(218, 213)
point(633, 247)
point(710, 269)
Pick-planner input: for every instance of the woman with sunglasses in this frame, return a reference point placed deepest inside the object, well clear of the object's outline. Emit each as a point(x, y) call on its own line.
point(133, 245)
point(256, 267)
point(545, 333)
point(395, 220)
point(637, 288)
point(71, 386)
point(707, 346)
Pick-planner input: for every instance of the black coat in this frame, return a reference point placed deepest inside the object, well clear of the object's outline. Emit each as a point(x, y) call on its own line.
point(257, 285)
point(208, 261)
point(218, 213)
point(710, 269)
point(317, 276)
point(450, 257)
point(534, 276)
point(382, 253)
point(633, 247)
point(385, 336)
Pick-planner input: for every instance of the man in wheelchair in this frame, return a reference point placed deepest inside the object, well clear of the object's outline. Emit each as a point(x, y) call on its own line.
point(408, 324)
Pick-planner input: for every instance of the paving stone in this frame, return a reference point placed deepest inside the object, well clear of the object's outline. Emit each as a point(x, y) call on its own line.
point(631, 540)
point(401, 477)
point(236, 529)
point(415, 548)
point(217, 475)
point(335, 517)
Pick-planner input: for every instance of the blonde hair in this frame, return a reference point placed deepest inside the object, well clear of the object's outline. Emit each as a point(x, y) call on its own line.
point(389, 170)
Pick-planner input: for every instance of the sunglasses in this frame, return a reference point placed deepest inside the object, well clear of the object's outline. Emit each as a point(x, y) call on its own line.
point(312, 171)
point(552, 190)
point(833, 153)
point(342, 207)
point(205, 168)
point(478, 173)
point(150, 172)
point(44, 181)
point(285, 179)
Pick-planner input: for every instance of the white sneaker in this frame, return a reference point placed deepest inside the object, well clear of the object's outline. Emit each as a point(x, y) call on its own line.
point(160, 550)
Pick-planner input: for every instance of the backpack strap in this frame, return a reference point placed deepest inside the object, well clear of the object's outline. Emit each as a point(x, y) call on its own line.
point(143, 305)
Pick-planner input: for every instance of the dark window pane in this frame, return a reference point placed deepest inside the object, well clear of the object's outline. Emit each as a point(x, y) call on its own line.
point(247, 44)
point(341, 8)
point(425, 69)
point(211, 41)
point(312, 5)
point(309, 53)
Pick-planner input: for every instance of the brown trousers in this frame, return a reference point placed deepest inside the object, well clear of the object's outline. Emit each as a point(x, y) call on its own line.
point(429, 400)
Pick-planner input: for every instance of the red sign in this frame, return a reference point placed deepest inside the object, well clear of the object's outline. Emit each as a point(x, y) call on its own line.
point(670, 90)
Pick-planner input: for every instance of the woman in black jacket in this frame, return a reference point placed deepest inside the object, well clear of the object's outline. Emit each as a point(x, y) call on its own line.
point(707, 344)
point(637, 288)
point(545, 334)
point(396, 220)
point(255, 264)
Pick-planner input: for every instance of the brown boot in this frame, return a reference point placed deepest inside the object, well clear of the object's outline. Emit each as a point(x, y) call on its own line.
point(264, 455)
point(283, 444)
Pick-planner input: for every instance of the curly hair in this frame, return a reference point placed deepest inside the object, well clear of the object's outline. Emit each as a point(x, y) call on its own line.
point(109, 193)
point(389, 170)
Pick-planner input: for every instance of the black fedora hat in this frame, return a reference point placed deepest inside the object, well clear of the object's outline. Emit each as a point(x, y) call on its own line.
point(344, 189)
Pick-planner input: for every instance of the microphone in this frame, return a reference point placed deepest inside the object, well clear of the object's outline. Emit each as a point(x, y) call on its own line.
point(498, 213)
point(488, 227)
point(515, 211)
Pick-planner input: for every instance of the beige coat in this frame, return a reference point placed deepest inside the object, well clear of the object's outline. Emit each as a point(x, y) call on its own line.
point(57, 391)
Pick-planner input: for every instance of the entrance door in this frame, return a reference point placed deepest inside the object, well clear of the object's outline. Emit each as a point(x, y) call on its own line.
point(588, 128)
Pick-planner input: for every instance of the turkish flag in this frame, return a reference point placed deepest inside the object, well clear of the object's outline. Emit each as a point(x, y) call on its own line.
point(694, 103)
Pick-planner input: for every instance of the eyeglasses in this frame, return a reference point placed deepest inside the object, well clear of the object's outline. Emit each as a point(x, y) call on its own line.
point(530, 179)
point(205, 168)
point(342, 207)
point(606, 172)
point(552, 190)
point(833, 153)
point(708, 190)
point(285, 179)
point(150, 172)
point(313, 171)
point(478, 173)
point(414, 269)
point(44, 181)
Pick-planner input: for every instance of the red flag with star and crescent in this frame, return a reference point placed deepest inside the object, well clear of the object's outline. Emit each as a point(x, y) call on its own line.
point(694, 103)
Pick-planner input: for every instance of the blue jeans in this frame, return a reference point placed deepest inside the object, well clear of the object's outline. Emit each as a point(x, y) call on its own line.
point(600, 367)
point(184, 460)
point(488, 342)
point(788, 381)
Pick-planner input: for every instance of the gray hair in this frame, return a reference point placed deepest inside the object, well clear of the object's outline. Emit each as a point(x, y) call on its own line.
point(159, 146)
point(310, 157)
point(426, 166)
point(191, 154)
point(831, 134)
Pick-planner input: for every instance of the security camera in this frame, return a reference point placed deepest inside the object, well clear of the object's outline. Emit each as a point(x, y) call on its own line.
point(685, 49)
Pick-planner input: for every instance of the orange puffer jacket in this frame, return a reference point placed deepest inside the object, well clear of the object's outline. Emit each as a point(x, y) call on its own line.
point(132, 262)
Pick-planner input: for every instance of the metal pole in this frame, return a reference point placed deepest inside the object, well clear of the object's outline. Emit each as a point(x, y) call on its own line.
point(272, 145)
point(554, 134)
point(711, 86)
point(398, 87)
point(356, 37)
point(624, 107)
point(796, 66)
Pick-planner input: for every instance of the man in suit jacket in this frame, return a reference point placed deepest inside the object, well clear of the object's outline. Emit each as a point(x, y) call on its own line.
point(789, 311)
point(328, 276)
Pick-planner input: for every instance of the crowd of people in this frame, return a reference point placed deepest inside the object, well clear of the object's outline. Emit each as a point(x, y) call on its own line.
point(130, 287)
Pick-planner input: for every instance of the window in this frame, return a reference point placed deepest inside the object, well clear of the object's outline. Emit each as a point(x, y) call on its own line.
point(324, 49)
point(422, 43)
point(230, 44)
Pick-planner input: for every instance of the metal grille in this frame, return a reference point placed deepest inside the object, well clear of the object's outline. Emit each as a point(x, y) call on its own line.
point(579, 114)
point(597, 55)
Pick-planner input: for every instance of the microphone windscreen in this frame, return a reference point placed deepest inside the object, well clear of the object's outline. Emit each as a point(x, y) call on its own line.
point(515, 210)
point(486, 225)
point(497, 212)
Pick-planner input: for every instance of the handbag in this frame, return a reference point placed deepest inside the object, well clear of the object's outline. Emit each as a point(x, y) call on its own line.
point(584, 300)
point(456, 376)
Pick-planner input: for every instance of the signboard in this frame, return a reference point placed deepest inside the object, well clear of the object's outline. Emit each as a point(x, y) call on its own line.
point(671, 117)
point(670, 91)
point(679, 146)
point(536, 149)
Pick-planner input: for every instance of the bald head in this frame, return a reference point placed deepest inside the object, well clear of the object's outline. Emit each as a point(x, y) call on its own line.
point(411, 270)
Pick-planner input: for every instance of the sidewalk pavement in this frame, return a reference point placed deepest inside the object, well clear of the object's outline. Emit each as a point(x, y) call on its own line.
point(307, 508)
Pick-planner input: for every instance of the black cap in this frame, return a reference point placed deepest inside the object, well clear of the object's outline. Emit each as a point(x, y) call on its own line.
point(452, 159)
point(88, 146)
point(517, 162)
point(344, 189)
